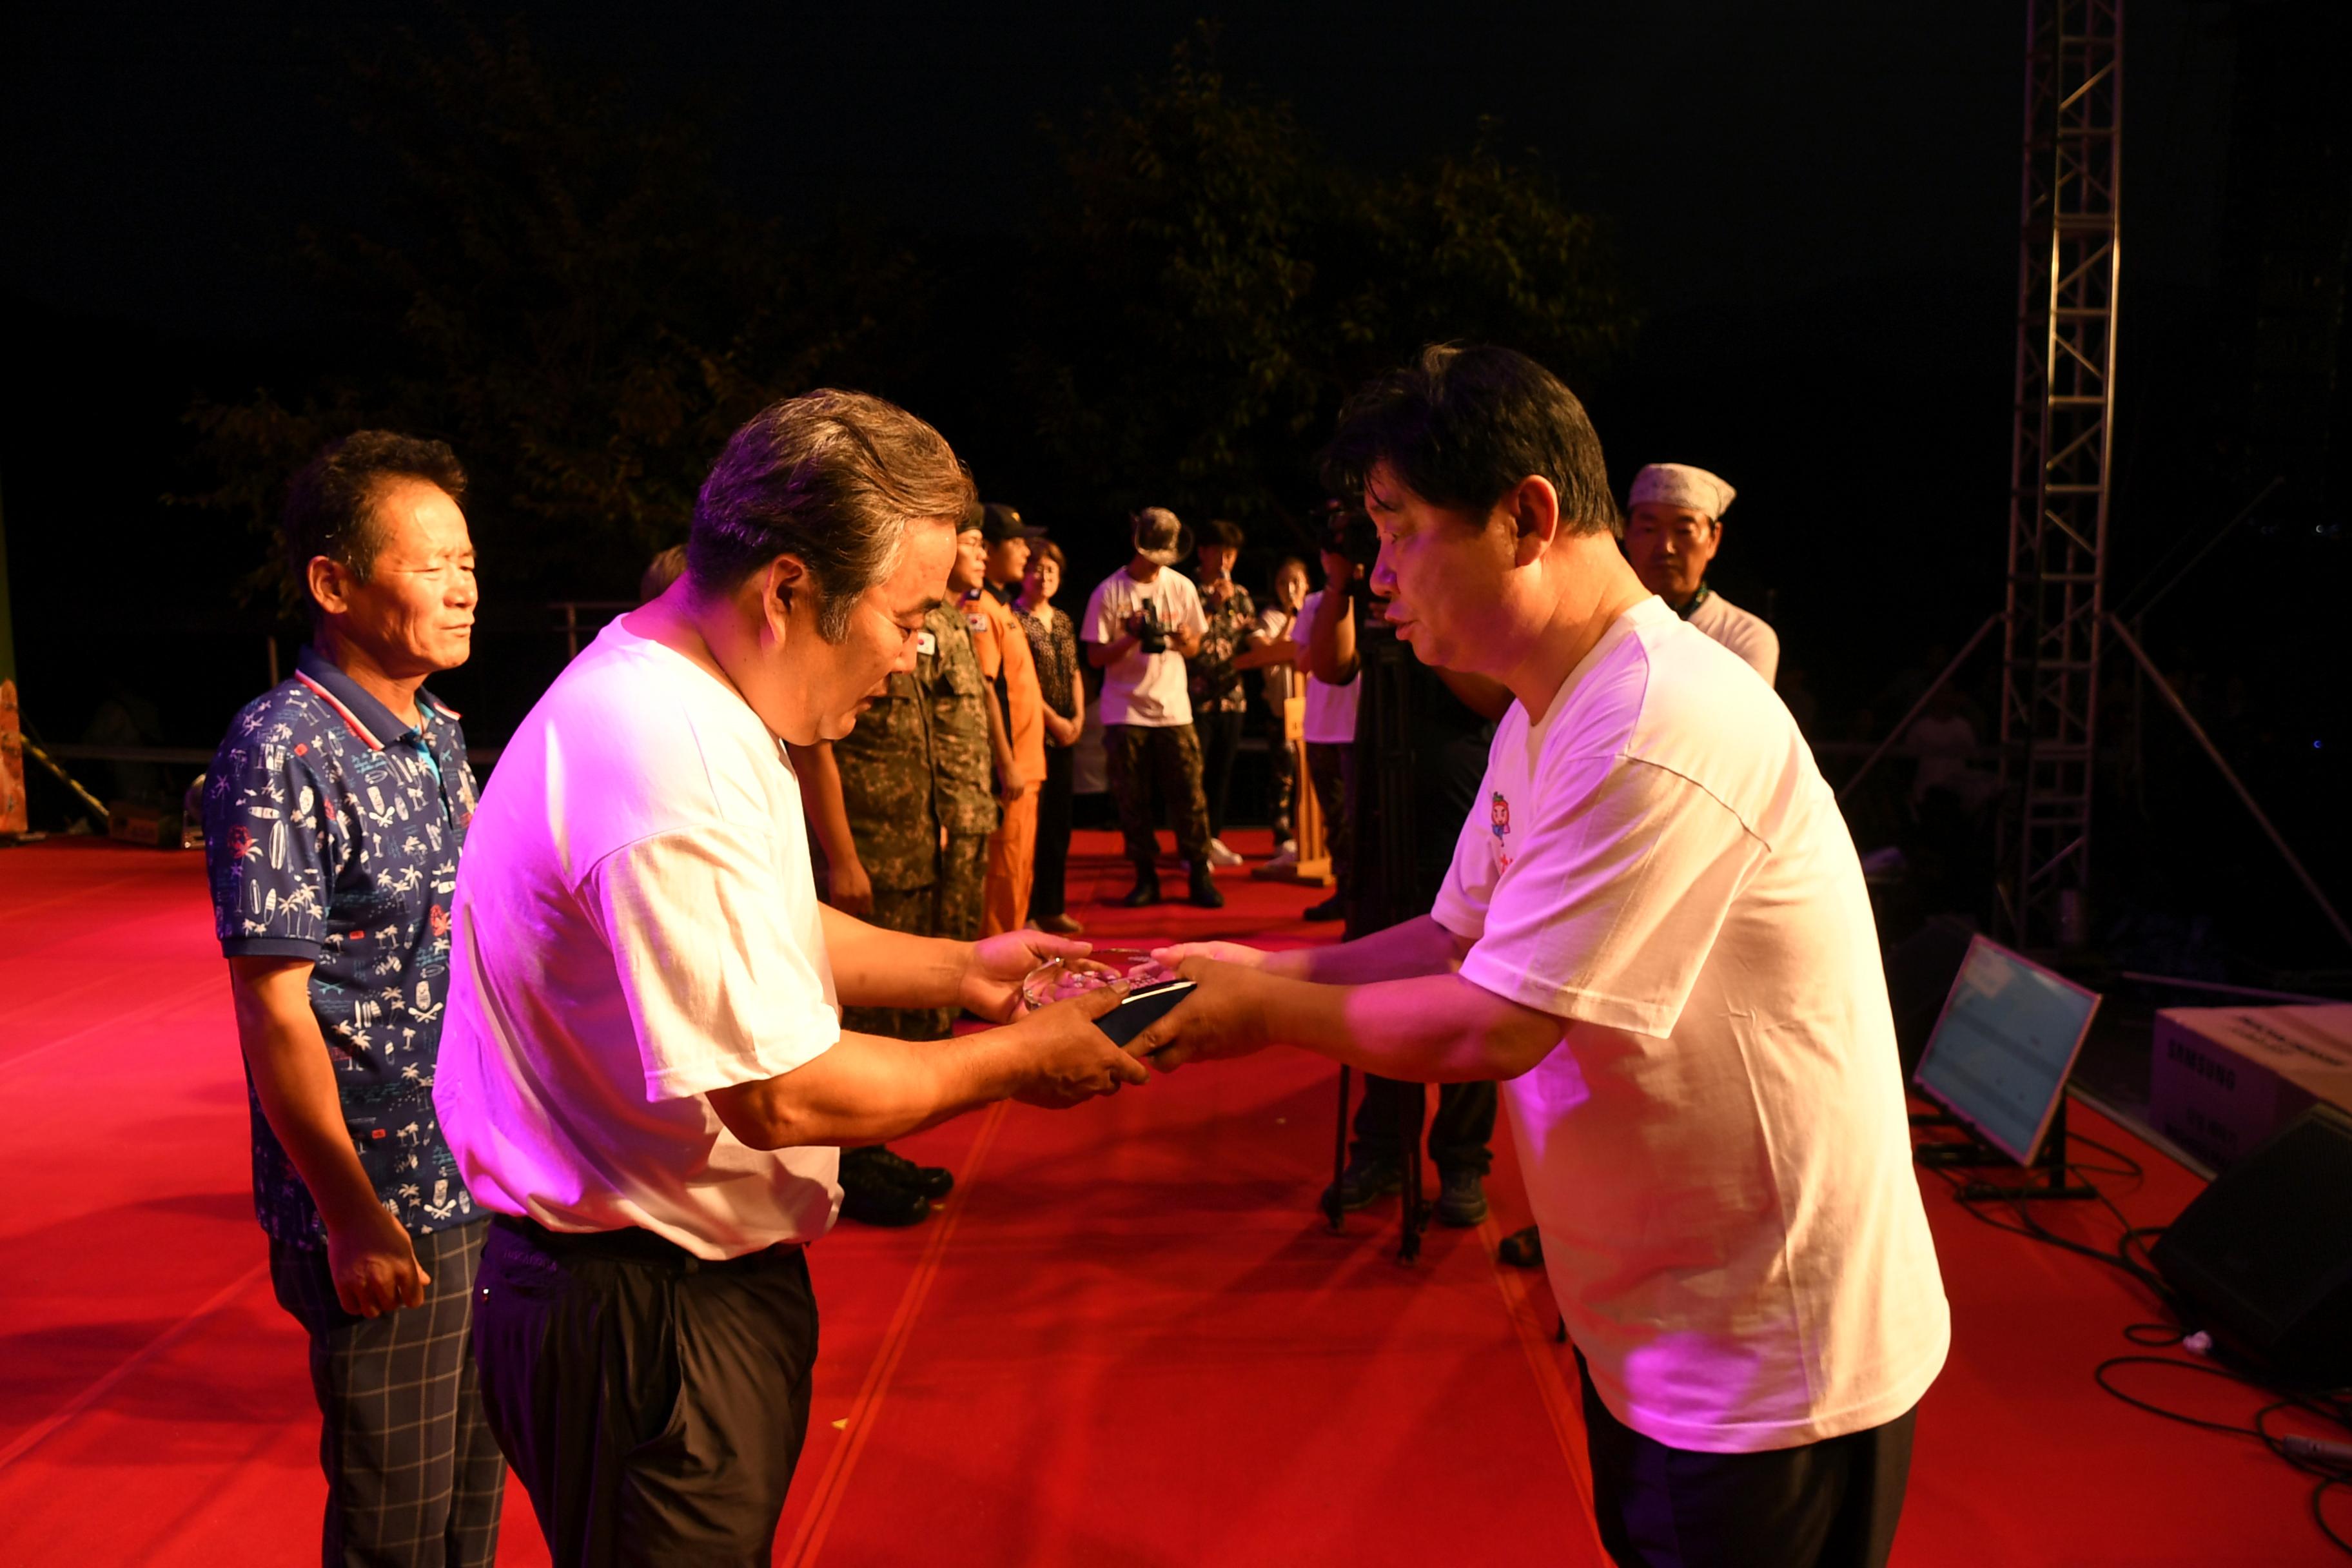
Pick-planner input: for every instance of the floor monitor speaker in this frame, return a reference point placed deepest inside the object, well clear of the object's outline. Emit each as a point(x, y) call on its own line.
point(2264, 1254)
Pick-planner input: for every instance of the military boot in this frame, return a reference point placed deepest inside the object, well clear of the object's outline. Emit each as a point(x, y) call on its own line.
point(1203, 894)
point(1146, 889)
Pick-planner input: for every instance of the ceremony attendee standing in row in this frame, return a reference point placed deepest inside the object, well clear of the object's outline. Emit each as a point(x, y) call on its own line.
point(1009, 668)
point(1142, 622)
point(1277, 656)
point(1219, 695)
point(1674, 528)
point(1053, 645)
point(644, 1073)
point(334, 815)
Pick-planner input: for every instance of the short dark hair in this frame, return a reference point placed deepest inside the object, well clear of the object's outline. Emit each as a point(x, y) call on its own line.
point(1461, 427)
point(832, 478)
point(1218, 532)
point(330, 501)
point(1046, 550)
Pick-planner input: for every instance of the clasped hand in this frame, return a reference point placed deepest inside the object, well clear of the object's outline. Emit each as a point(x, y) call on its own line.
point(1065, 1059)
point(1223, 1016)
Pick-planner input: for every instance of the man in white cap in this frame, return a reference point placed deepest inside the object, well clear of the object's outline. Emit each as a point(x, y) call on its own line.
point(1674, 526)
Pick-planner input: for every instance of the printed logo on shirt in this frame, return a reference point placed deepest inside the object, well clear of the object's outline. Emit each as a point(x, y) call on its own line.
point(977, 622)
point(1498, 816)
point(926, 644)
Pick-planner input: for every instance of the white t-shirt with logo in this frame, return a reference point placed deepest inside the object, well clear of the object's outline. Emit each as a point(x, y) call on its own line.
point(1718, 1151)
point(1149, 690)
point(635, 924)
point(1330, 719)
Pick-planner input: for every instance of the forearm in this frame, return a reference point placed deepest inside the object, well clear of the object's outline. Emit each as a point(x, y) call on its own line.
point(828, 814)
point(870, 1090)
point(1103, 654)
point(874, 967)
point(1436, 1029)
point(294, 1080)
point(1415, 947)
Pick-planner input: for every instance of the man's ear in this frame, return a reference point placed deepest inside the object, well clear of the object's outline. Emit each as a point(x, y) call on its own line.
point(783, 585)
point(329, 583)
point(1534, 507)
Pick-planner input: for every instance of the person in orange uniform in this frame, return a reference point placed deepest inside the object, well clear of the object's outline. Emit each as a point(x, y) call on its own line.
point(1009, 666)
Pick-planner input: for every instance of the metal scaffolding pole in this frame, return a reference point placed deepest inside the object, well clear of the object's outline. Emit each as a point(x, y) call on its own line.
point(2068, 265)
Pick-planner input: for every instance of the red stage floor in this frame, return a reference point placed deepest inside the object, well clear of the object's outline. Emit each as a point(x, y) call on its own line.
point(1128, 1338)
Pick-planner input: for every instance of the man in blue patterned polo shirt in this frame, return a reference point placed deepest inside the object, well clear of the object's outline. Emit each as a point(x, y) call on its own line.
point(333, 816)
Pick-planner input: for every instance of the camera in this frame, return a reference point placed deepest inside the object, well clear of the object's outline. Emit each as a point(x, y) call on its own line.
point(1151, 636)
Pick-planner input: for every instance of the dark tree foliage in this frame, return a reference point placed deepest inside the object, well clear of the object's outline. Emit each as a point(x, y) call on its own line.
point(1209, 287)
point(556, 283)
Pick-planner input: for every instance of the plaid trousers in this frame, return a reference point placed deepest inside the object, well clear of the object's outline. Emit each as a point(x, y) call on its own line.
point(413, 1475)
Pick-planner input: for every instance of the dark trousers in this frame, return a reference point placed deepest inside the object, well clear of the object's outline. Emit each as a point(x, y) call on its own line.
point(1047, 895)
point(413, 1473)
point(1460, 1136)
point(1281, 771)
point(652, 1403)
point(1139, 755)
point(1332, 769)
point(1220, 742)
point(1831, 1504)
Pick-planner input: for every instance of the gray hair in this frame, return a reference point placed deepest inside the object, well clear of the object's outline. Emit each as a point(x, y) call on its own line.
point(831, 479)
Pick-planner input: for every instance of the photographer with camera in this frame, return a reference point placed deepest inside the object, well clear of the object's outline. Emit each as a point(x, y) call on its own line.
point(1141, 624)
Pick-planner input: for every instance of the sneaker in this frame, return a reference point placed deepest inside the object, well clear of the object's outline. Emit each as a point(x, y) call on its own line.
point(1057, 925)
point(1285, 855)
point(1328, 909)
point(1203, 892)
point(1367, 1176)
point(1461, 1198)
point(934, 1182)
point(1221, 855)
point(872, 1194)
point(1145, 891)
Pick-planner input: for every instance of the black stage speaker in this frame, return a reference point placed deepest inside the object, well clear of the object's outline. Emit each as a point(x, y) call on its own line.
point(2264, 1255)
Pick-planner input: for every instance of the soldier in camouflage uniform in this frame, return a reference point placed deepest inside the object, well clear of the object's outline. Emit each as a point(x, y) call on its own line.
point(910, 785)
point(915, 788)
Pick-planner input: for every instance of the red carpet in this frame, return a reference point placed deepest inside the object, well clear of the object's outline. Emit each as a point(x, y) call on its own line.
point(1128, 1338)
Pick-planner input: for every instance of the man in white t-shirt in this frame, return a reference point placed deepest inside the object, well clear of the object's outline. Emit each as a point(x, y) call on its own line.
point(1674, 527)
point(643, 1074)
point(1142, 622)
point(1655, 929)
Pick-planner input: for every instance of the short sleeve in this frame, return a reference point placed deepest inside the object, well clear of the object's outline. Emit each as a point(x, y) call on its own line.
point(1100, 625)
point(1608, 910)
point(718, 989)
point(268, 851)
point(987, 646)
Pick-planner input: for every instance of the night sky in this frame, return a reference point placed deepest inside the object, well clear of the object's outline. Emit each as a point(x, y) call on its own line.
point(160, 158)
point(1816, 203)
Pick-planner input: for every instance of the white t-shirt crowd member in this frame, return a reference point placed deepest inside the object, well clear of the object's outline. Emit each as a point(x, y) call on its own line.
point(1331, 710)
point(639, 927)
point(1717, 1152)
point(1749, 636)
point(1149, 690)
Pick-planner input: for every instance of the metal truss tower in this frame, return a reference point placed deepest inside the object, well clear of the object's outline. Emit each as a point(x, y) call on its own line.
point(2068, 264)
